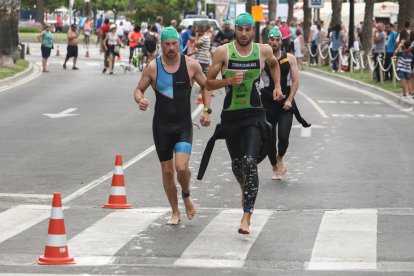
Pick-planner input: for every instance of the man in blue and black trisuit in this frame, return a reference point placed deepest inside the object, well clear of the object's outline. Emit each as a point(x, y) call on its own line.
point(172, 76)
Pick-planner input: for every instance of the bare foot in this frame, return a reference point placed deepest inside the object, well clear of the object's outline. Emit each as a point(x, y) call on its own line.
point(174, 220)
point(280, 166)
point(190, 209)
point(245, 224)
point(275, 174)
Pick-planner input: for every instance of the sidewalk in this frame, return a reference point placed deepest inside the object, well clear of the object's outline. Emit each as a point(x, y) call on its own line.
point(362, 85)
point(32, 72)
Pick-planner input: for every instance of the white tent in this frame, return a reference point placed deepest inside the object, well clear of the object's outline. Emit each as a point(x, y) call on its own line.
point(381, 10)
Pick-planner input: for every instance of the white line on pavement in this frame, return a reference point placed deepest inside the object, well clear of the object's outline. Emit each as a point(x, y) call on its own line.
point(20, 218)
point(98, 244)
point(346, 240)
point(315, 105)
point(219, 245)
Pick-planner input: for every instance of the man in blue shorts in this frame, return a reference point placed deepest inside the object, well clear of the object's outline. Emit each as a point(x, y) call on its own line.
point(172, 76)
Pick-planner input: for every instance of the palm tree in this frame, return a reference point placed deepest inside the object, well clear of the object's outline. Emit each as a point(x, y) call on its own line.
point(40, 11)
point(336, 13)
point(307, 20)
point(9, 21)
point(367, 28)
point(272, 4)
point(405, 13)
point(291, 4)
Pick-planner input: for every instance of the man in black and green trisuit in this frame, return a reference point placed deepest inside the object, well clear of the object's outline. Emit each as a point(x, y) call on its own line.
point(243, 117)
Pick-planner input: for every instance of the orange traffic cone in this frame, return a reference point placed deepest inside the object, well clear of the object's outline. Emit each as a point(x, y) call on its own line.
point(56, 250)
point(118, 57)
point(117, 198)
point(200, 98)
point(57, 51)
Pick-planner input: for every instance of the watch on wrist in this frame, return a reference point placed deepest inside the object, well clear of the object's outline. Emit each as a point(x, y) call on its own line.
point(208, 110)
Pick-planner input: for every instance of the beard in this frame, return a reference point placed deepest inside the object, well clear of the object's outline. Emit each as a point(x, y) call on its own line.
point(171, 54)
point(276, 49)
point(246, 42)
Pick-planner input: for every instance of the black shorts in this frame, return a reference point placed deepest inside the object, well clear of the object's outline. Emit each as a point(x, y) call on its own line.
point(168, 138)
point(72, 51)
point(45, 51)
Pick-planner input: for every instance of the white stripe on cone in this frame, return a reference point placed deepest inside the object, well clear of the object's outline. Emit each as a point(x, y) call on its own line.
point(118, 170)
point(57, 213)
point(118, 191)
point(56, 240)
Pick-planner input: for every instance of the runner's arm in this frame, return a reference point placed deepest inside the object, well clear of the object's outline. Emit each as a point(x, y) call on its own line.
point(267, 51)
point(219, 58)
point(143, 84)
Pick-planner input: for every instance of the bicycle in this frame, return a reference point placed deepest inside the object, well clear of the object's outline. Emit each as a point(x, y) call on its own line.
point(138, 59)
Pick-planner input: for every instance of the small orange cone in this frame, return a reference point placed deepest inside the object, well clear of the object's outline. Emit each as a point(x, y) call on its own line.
point(118, 57)
point(57, 51)
point(200, 98)
point(56, 249)
point(117, 198)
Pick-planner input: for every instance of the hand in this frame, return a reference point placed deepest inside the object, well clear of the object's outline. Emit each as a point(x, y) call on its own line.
point(287, 105)
point(237, 78)
point(277, 94)
point(143, 104)
point(205, 119)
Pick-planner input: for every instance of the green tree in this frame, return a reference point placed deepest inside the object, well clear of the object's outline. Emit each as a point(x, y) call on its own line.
point(168, 9)
point(9, 21)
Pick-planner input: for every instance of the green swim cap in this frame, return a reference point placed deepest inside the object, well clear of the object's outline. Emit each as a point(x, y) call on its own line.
point(169, 33)
point(245, 19)
point(275, 31)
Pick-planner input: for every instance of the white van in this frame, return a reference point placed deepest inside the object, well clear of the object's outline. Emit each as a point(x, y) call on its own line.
point(200, 22)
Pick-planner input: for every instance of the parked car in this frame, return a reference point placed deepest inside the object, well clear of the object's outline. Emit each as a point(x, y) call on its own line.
point(200, 22)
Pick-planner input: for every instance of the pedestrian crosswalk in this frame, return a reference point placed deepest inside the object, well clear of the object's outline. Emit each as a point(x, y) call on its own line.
point(321, 240)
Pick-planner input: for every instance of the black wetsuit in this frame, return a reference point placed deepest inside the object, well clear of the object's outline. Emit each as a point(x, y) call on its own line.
point(172, 124)
point(275, 114)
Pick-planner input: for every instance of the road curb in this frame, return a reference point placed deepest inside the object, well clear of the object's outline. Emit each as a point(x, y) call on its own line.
point(362, 85)
point(29, 73)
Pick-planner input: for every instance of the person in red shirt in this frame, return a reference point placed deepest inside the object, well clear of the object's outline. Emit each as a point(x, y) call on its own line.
point(285, 30)
point(134, 38)
point(104, 31)
point(59, 23)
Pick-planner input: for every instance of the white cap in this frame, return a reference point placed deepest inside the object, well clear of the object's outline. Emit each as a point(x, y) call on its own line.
point(113, 26)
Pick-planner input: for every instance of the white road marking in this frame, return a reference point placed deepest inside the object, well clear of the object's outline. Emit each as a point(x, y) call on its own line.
point(369, 116)
point(39, 196)
point(315, 105)
point(350, 87)
point(64, 113)
point(346, 240)
point(98, 244)
point(219, 244)
point(20, 218)
point(306, 132)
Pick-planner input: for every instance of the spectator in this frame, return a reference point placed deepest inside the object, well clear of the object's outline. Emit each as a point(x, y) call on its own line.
point(299, 45)
point(159, 24)
point(46, 40)
point(379, 47)
point(405, 57)
point(264, 34)
point(285, 30)
point(392, 36)
point(225, 35)
point(59, 23)
point(337, 42)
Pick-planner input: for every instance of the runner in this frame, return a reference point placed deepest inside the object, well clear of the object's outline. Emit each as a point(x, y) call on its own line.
point(280, 113)
point(243, 119)
point(171, 76)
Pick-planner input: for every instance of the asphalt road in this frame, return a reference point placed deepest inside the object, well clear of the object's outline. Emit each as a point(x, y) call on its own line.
point(345, 206)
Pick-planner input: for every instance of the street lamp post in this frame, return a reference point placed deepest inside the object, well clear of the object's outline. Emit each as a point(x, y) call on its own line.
point(257, 25)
